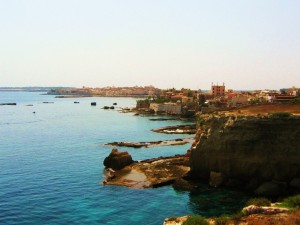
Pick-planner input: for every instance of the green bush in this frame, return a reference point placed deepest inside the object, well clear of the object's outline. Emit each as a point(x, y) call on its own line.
point(200, 122)
point(292, 202)
point(258, 202)
point(296, 100)
point(237, 216)
point(280, 114)
point(223, 220)
point(195, 220)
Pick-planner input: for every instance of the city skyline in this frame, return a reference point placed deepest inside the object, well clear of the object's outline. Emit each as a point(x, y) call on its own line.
point(247, 45)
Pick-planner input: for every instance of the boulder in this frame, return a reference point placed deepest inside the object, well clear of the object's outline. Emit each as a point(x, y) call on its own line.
point(117, 160)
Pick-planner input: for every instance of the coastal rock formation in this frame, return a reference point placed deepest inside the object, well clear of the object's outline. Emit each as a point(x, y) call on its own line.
point(252, 209)
point(151, 144)
point(8, 103)
point(117, 160)
point(150, 173)
point(180, 129)
point(251, 150)
point(268, 216)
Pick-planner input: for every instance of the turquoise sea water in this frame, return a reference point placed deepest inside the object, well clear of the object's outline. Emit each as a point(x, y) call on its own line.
point(51, 165)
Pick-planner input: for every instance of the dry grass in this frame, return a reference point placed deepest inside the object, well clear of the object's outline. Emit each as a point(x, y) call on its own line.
point(270, 108)
point(278, 219)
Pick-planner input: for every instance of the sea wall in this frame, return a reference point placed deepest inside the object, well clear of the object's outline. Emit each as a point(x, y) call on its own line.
point(247, 151)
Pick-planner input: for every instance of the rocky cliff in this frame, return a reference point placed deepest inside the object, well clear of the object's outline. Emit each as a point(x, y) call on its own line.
point(261, 153)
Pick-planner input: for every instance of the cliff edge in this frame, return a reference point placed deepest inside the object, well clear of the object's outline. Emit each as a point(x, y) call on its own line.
point(260, 153)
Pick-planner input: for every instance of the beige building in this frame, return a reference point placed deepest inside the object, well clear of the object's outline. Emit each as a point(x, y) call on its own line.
point(238, 100)
point(186, 100)
point(169, 108)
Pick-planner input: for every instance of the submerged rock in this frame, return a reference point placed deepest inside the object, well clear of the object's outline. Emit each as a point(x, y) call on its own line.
point(182, 184)
point(117, 160)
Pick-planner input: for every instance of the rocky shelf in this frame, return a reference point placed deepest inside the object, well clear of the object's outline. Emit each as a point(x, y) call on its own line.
point(180, 129)
point(151, 144)
point(147, 173)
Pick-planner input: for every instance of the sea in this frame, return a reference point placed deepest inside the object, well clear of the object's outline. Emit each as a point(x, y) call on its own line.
point(51, 165)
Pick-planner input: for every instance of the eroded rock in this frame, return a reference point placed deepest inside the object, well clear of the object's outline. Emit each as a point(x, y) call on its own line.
point(216, 179)
point(151, 173)
point(271, 189)
point(252, 209)
point(248, 147)
point(117, 160)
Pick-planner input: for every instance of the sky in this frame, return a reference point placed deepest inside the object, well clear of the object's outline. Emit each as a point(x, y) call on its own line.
point(166, 43)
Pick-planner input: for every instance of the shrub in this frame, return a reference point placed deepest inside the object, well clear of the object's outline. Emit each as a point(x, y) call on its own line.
point(280, 114)
point(200, 122)
point(237, 216)
point(292, 202)
point(223, 220)
point(258, 202)
point(195, 220)
point(296, 100)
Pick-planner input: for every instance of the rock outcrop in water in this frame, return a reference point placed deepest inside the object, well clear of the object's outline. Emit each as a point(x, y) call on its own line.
point(148, 173)
point(179, 129)
point(259, 153)
point(117, 160)
point(151, 144)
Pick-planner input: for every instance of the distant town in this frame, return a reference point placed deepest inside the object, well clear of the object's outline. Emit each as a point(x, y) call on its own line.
point(185, 102)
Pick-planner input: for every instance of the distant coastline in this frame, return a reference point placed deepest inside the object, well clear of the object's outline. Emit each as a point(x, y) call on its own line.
point(32, 89)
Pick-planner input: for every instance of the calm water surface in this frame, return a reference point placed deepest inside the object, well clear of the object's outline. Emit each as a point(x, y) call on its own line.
point(51, 165)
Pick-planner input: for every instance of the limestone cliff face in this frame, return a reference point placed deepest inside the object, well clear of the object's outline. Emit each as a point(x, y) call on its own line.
point(246, 148)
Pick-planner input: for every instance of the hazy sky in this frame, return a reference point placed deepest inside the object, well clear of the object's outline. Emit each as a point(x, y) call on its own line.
point(248, 44)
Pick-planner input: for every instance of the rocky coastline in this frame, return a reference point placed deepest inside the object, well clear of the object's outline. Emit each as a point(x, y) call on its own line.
point(152, 144)
point(257, 153)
